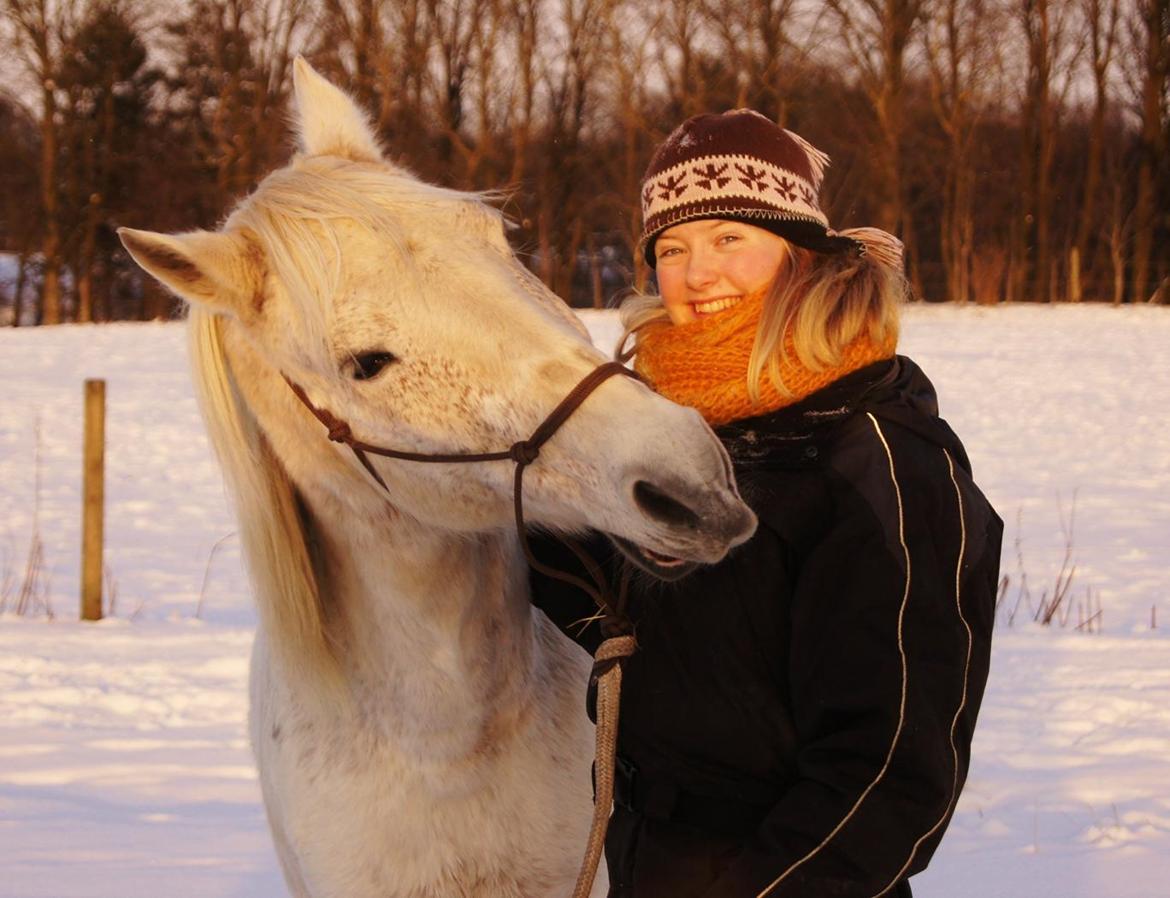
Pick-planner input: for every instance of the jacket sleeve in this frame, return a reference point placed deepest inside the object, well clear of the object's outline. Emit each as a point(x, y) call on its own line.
point(891, 624)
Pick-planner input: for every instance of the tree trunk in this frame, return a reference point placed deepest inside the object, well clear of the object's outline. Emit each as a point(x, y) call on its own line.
point(21, 280)
point(1154, 14)
point(86, 259)
point(1074, 275)
point(50, 311)
point(1117, 248)
point(1102, 40)
point(595, 273)
point(1043, 159)
point(1044, 38)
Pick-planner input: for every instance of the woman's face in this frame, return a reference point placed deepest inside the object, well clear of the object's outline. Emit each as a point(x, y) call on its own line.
point(707, 266)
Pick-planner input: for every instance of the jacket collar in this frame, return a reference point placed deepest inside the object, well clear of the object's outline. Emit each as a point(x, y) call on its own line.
point(894, 390)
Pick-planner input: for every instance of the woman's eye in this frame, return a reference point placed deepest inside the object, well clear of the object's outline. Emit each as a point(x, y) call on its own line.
point(370, 364)
point(668, 251)
point(728, 238)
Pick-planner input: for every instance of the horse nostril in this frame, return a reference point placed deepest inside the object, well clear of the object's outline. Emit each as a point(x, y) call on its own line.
point(658, 505)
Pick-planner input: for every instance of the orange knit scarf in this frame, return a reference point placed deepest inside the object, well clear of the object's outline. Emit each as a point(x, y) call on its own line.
point(704, 364)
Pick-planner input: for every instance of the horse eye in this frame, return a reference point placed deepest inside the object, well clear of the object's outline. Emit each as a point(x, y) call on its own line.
point(370, 364)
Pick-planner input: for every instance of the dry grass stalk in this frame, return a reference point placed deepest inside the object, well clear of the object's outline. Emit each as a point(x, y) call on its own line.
point(109, 591)
point(207, 572)
point(1055, 604)
point(33, 592)
point(1090, 612)
point(7, 580)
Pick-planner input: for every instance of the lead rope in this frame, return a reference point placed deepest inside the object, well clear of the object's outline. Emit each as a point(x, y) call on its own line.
point(609, 693)
point(607, 672)
point(620, 642)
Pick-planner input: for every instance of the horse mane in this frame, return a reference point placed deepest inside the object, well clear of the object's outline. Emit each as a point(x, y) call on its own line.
point(273, 531)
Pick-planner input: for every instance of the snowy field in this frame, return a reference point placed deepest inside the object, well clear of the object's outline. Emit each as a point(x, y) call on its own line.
point(124, 766)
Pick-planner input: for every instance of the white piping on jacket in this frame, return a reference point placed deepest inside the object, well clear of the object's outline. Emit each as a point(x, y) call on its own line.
point(905, 672)
point(966, 674)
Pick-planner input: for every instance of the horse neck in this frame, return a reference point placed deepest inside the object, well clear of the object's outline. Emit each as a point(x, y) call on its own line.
point(434, 628)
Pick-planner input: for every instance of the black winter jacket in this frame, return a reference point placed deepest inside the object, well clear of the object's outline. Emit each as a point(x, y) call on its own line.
point(797, 719)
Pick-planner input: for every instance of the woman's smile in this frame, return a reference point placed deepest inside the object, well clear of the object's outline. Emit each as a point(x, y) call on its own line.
point(711, 306)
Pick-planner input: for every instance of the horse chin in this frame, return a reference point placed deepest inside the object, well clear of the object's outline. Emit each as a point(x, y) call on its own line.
point(664, 567)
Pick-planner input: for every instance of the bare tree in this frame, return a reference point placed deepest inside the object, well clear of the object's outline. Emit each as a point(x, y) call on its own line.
point(1101, 18)
point(960, 39)
point(1051, 51)
point(952, 114)
point(629, 55)
point(679, 41)
point(454, 27)
point(523, 19)
point(877, 36)
point(230, 76)
point(483, 156)
point(19, 193)
point(105, 86)
point(277, 30)
point(40, 28)
point(757, 39)
point(565, 198)
point(1150, 31)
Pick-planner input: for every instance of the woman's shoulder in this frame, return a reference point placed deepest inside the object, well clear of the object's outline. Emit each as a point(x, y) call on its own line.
point(894, 402)
point(863, 436)
point(839, 417)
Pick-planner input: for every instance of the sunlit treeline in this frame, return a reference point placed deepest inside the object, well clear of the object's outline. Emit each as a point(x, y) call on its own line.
point(1017, 146)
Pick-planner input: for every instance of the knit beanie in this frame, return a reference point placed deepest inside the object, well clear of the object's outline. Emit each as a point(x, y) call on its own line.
point(739, 165)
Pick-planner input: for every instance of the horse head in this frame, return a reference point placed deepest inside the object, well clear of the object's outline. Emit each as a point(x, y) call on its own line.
point(400, 307)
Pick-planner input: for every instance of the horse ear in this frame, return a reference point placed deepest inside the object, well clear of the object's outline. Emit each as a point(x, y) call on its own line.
point(222, 271)
point(328, 121)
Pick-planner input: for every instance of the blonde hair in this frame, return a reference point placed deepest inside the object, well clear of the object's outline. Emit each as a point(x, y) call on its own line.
point(822, 301)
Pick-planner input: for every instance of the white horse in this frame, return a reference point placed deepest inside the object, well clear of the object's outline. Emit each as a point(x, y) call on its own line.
point(419, 729)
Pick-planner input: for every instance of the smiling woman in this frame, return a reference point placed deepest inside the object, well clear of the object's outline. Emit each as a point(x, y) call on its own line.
point(797, 720)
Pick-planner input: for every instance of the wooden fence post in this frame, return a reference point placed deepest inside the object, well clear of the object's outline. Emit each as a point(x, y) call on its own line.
point(93, 500)
point(1074, 275)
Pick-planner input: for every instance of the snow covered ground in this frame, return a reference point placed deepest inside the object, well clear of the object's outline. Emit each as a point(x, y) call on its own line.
point(124, 767)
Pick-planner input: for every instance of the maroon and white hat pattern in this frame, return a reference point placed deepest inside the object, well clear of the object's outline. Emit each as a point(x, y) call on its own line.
point(738, 165)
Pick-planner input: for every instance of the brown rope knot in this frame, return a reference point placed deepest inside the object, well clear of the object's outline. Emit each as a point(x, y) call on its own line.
point(610, 653)
point(524, 452)
point(616, 647)
point(339, 431)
